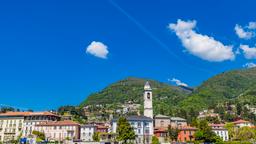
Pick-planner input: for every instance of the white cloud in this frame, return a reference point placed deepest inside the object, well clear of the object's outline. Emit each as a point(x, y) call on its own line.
point(249, 53)
point(177, 82)
point(252, 25)
point(241, 33)
point(249, 65)
point(203, 46)
point(97, 49)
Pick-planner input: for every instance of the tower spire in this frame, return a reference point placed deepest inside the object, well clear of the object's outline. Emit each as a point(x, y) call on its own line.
point(148, 107)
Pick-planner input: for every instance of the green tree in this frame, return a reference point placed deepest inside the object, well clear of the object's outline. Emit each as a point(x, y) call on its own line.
point(245, 134)
point(96, 137)
point(205, 133)
point(173, 133)
point(231, 130)
point(39, 136)
point(125, 132)
point(155, 140)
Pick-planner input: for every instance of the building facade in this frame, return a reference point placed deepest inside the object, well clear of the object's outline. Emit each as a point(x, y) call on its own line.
point(59, 130)
point(162, 121)
point(242, 123)
point(86, 132)
point(186, 134)
point(220, 131)
point(34, 118)
point(143, 128)
point(21, 124)
point(11, 124)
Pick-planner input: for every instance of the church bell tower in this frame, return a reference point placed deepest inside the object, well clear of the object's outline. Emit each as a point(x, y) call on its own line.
point(148, 107)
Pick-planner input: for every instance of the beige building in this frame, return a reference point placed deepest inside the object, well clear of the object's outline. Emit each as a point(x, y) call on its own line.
point(33, 118)
point(11, 124)
point(60, 130)
point(162, 121)
point(21, 124)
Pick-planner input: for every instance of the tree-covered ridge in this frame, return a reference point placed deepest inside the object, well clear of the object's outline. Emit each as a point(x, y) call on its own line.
point(228, 86)
point(237, 87)
point(131, 89)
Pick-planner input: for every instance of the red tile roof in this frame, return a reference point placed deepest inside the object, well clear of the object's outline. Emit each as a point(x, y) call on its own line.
point(28, 114)
point(59, 123)
point(216, 125)
point(240, 121)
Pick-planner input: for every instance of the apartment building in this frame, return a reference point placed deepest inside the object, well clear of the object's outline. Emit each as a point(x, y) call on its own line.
point(59, 130)
point(11, 124)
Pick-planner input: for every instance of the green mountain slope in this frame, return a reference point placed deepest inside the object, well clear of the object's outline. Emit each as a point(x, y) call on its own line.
point(227, 86)
point(237, 87)
point(131, 89)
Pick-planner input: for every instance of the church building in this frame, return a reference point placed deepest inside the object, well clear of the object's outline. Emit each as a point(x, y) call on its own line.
point(143, 125)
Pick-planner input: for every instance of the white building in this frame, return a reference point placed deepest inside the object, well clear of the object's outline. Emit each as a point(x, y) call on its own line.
point(86, 132)
point(143, 128)
point(59, 130)
point(242, 123)
point(220, 131)
point(33, 118)
point(142, 125)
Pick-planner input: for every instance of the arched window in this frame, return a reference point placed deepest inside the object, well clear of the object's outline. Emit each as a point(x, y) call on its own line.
point(148, 95)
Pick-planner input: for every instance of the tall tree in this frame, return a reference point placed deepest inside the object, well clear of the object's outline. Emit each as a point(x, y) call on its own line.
point(173, 133)
point(125, 132)
point(155, 140)
point(205, 133)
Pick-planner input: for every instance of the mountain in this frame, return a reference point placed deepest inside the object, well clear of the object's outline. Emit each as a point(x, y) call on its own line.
point(227, 86)
point(237, 87)
point(131, 89)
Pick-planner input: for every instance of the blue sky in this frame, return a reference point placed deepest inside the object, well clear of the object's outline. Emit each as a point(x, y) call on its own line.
point(55, 53)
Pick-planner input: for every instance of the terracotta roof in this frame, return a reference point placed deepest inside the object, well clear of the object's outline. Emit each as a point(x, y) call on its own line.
point(216, 125)
point(240, 121)
point(14, 114)
point(160, 130)
point(59, 123)
point(27, 114)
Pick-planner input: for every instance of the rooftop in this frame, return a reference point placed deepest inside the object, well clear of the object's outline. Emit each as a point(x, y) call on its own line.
point(240, 121)
point(59, 123)
point(177, 119)
point(162, 116)
point(136, 118)
point(13, 114)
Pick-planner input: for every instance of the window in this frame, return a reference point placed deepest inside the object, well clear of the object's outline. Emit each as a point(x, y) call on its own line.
point(148, 95)
point(162, 123)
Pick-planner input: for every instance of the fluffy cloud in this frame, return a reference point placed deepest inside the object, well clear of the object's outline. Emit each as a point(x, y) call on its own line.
point(241, 33)
point(97, 49)
point(177, 82)
point(252, 25)
point(249, 65)
point(249, 53)
point(203, 46)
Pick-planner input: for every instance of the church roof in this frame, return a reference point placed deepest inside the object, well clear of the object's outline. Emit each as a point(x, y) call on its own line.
point(136, 118)
point(147, 86)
